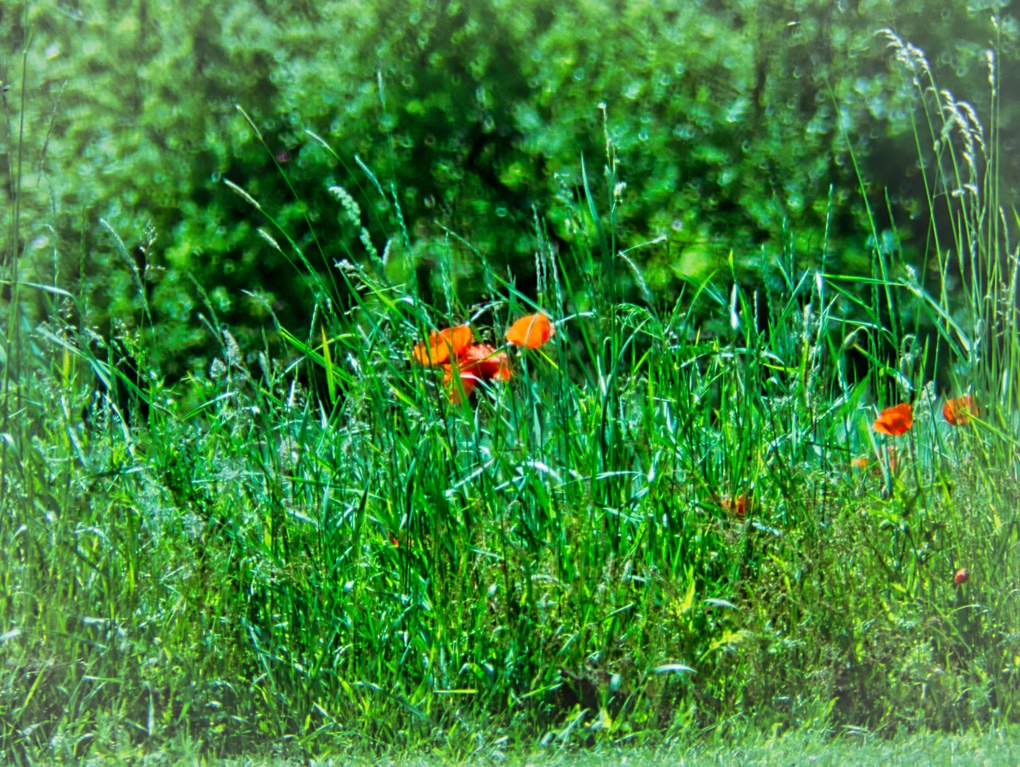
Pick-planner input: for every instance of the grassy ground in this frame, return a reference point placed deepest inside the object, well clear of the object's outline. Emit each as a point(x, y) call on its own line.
point(934, 750)
point(991, 749)
point(660, 524)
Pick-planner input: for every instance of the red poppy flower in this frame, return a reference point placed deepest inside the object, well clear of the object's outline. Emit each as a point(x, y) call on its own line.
point(958, 411)
point(468, 382)
point(961, 577)
point(895, 420)
point(531, 331)
point(485, 362)
point(479, 362)
point(442, 346)
point(739, 505)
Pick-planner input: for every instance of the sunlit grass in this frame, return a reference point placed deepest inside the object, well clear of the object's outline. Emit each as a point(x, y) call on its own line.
point(660, 528)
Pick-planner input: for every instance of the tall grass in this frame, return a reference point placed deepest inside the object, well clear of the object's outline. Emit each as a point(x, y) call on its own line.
point(652, 532)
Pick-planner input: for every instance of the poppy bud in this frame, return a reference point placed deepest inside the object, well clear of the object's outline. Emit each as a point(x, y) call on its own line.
point(961, 576)
point(738, 505)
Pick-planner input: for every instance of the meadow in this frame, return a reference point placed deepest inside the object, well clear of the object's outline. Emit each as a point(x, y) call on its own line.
point(567, 516)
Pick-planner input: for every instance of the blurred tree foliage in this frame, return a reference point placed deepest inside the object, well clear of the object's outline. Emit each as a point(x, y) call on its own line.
point(730, 119)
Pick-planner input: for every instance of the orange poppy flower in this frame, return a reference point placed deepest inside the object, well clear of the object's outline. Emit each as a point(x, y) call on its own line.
point(962, 576)
point(485, 362)
point(958, 411)
point(895, 420)
point(860, 462)
point(531, 331)
point(442, 346)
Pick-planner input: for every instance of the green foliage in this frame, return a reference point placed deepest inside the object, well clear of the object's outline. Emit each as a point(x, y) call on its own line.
point(731, 121)
point(655, 528)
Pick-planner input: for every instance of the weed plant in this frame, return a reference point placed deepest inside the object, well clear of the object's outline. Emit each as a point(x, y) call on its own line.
point(657, 529)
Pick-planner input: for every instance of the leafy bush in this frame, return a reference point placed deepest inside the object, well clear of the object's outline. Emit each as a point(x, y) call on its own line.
point(731, 122)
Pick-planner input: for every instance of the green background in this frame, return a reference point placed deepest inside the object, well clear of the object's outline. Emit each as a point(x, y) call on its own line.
point(734, 125)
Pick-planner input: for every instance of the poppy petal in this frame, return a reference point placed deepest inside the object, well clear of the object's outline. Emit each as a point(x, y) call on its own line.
point(460, 338)
point(959, 410)
point(442, 345)
point(895, 420)
point(739, 505)
point(468, 383)
point(486, 363)
point(531, 331)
